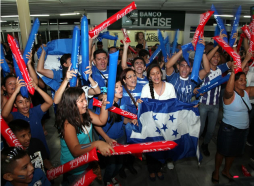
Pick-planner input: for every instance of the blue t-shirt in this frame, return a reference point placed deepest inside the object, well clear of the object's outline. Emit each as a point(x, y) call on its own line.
point(102, 82)
point(126, 102)
point(39, 178)
point(142, 81)
point(183, 86)
point(212, 96)
point(66, 155)
point(98, 77)
point(58, 75)
point(114, 130)
point(35, 116)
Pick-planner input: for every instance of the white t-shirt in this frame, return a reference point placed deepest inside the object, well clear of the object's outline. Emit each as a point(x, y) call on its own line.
point(168, 93)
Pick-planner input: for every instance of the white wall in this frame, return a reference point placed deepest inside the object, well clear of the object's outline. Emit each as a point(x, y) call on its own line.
point(95, 19)
point(190, 20)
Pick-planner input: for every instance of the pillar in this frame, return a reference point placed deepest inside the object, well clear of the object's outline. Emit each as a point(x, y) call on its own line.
point(24, 20)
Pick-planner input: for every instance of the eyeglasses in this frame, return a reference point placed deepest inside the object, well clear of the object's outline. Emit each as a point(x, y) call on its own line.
point(129, 77)
point(11, 155)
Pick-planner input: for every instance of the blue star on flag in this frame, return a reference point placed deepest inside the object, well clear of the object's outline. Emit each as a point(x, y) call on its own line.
point(158, 130)
point(171, 118)
point(154, 117)
point(175, 133)
point(164, 127)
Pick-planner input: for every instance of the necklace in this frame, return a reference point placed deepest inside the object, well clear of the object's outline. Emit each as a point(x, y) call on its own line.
point(161, 90)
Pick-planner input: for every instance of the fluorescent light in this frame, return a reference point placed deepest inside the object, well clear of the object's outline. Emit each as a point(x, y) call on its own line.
point(214, 24)
point(39, 15)
point(64, 23)
point(11, 16)
point(76, 23)
point(247, 16)
point(67, 14)
point(224, 15)
point(2, 21)
point(228, 24)
point(44, 23)
point(33, 15)
point(53, 23)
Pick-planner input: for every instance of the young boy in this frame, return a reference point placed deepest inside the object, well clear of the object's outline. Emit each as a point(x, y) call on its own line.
point(138, 64)
point(33, 146)
point(31, 115)
point(17, 169)
point(184, 86)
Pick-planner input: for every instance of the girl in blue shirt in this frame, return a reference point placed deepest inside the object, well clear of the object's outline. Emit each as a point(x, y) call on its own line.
point(113, 131)
point(131, 90)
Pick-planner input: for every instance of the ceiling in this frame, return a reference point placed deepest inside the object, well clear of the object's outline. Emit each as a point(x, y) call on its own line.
point(55, 7)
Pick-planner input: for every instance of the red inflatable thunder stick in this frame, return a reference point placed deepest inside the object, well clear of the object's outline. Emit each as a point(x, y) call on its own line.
point(251, 49)
point(87, 179)
point(246, 30)
point(134, 51)
point(73, 164)
point(127, 39)
point(240, 41)
point(112, 19)
point(144, 147)
point(231, 52)
point(138, 155)
point(9, 135)
point(246, 173)
point(116, 110)
point(206, 16)
point(20, 61)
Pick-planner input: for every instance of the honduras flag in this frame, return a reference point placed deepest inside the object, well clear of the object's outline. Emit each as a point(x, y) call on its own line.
point(54, 51)
point(170, 120)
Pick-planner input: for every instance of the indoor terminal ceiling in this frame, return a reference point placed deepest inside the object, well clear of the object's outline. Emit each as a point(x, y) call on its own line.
point(55, 7)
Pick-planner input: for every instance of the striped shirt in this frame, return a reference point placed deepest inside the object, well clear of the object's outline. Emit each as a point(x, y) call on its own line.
point(183, 86)
point(212, 96)
point(142, 81)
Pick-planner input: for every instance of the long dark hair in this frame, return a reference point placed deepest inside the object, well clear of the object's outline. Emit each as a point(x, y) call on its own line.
point(63, 60)
point(136, 36)
point(68, 111)
point(153, 65)
point(123, 77)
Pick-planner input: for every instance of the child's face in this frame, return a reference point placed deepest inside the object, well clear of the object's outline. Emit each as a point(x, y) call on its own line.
point(23, 172)
point(118, 90)
point(82, 104)
point(155, 75)
point(139, 66)
point(184, 69)
point(24, 137)
point(22, 104)
point(10, 85)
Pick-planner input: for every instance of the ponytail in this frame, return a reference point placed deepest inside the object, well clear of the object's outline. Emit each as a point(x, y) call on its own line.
point(151, 88)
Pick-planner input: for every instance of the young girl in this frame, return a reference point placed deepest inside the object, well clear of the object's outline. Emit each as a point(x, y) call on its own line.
point(113, 131)
point(156, 89)
point(140, 38)
point(9, 84)
point(31, 115)
point(73, 122)
point(131, 90)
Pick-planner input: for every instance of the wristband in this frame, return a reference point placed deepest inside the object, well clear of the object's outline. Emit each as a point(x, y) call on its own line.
point(95, 85)
point(235, 45)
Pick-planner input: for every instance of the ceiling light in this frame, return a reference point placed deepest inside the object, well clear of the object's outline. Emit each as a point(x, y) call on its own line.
point(11, 16)
point(64, 23)
point(2, 21)
point(44, 23)
point(247, 16)
point(224, 15)
point(67, 14)
point(39, 15)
